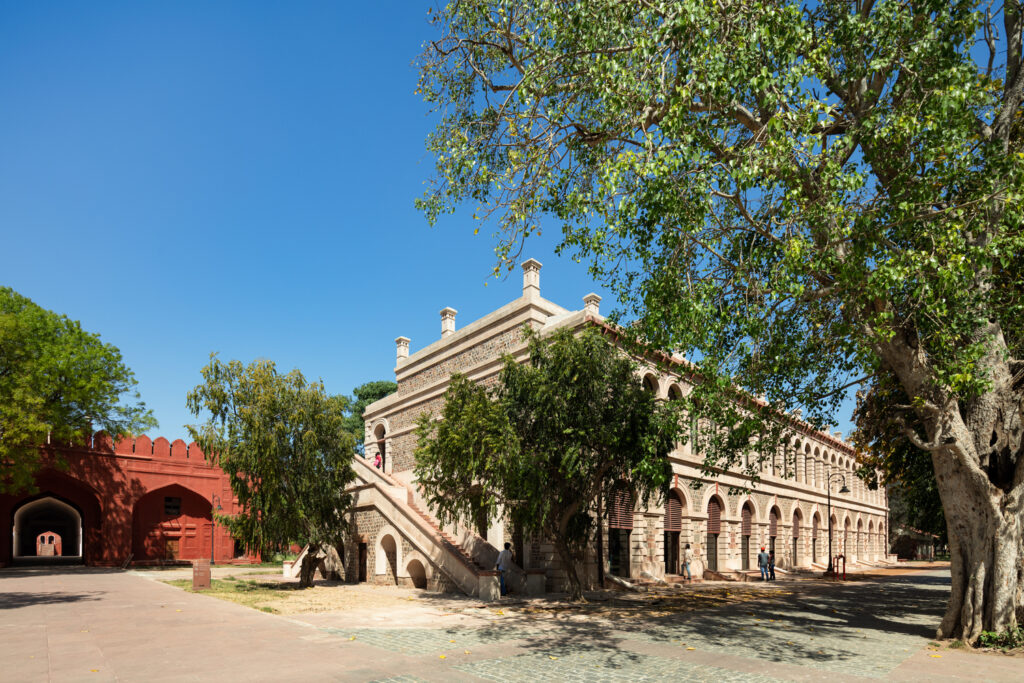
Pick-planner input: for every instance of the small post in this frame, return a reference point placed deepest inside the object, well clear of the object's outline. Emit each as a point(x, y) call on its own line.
point(200, 575)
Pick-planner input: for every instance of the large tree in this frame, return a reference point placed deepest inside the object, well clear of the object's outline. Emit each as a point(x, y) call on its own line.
point(283, 444)
point(364, 395)
point(553, 437)
point(800, 196)
point(57, 382)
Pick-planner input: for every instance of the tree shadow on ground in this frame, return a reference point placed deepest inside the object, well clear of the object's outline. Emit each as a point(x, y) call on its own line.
point(18, 599)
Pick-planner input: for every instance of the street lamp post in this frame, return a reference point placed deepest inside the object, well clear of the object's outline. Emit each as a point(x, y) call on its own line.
point(215, 504)
point(842, 489)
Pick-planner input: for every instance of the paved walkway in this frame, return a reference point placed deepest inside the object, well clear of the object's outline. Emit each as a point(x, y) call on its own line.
point(95, 625)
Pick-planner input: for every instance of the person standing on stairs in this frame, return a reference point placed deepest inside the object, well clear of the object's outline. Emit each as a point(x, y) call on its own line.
point(687, 559)
point(504, 564)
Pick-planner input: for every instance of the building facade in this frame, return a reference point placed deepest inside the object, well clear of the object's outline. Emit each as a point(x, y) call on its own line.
point(786, 511)
point(136, 501)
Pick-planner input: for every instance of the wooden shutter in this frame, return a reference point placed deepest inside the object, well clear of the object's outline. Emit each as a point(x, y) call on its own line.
point(748, 520)
point(796, 526)
point(714, 517)
point(814, 527)
point(673, 513)
point(773, 524)
point(620, 510)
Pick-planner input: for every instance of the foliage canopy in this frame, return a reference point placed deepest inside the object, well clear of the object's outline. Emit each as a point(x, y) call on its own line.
point(552, 437)
point(283, 443)
point(56, 381)
point(364, 395)
point(800, 196)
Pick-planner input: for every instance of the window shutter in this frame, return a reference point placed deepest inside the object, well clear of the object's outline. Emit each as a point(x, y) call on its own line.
point(773, 524)
point(673, 513)
point(796, 526)
point(620, 510)
point(814, 527)
point(748, 520)
point(714, 517)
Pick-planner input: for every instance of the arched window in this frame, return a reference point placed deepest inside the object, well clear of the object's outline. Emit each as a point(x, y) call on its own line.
point(714, 529)
point(746, 529)
point(673, 531)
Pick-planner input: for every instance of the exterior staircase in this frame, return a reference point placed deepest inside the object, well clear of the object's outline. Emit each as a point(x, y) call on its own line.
point(468, 564)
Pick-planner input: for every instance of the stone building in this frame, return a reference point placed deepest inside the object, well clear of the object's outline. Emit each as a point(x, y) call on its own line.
point(395, 538)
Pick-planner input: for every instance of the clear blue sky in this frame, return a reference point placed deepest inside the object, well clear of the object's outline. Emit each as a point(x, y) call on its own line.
point(236, 177)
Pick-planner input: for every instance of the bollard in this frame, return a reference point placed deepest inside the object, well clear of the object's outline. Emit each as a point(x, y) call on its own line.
point(200, 575)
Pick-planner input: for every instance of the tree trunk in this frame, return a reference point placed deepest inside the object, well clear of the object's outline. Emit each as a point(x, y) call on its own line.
point(977, 450)
point(986, 552)
point(309, 565)
point(575, 587)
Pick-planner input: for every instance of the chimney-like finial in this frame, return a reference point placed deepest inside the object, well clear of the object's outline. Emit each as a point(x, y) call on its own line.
point(402, 348)
point(447, 321)
point(531, 277)
point(592, 305)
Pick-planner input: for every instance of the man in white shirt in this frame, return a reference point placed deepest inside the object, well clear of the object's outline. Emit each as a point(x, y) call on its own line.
point(504, 564)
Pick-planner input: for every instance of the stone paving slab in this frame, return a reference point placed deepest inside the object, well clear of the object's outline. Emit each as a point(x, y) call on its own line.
point(88, 625)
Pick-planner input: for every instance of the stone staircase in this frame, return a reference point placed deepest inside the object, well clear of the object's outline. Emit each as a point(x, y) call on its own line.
point(471, 571)
point(450, 544)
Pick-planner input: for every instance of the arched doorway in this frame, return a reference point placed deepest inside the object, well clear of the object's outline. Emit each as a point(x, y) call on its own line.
point(746, 529)
point(387, 560)
point(860, 541)
point(380, 437)
point(49, 517)
point(673, 531)
point(172, 523)
point(620, 526)
point(815, 523)
point(773, 528)
point(418, 573)
point(714, 530)
point(846, 539)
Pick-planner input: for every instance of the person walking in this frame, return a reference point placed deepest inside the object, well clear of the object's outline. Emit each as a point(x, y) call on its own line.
point(504, 564)
point(771, 566)
point(687, 559)
point(762, 563)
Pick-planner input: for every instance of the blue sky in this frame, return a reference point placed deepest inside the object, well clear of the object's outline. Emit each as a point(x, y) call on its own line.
point(235, 177)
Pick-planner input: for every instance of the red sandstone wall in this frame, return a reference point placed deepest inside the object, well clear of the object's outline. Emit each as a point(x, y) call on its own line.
point(119, 490)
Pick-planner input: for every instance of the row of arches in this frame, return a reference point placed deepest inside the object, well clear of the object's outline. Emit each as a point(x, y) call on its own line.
point(169, 523)
point(795, 542)
point(803, 460)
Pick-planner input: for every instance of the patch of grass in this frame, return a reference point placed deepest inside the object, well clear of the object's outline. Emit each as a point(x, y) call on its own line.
point(256, 594)
point(956, 645)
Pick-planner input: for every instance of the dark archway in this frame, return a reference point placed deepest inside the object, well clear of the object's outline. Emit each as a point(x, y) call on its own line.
point(48, 514)
point(417, 573)
point(674, 507)
point(172, 523)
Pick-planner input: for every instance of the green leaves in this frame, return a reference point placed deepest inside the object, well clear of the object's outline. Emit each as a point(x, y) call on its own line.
point(56, 379)
point(551, 437)
point(286, 448)
point(781, 192)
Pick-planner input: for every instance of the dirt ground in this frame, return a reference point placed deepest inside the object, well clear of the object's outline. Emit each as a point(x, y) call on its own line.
point(370, 604)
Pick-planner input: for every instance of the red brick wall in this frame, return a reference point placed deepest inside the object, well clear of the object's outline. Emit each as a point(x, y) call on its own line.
point(119, 490)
